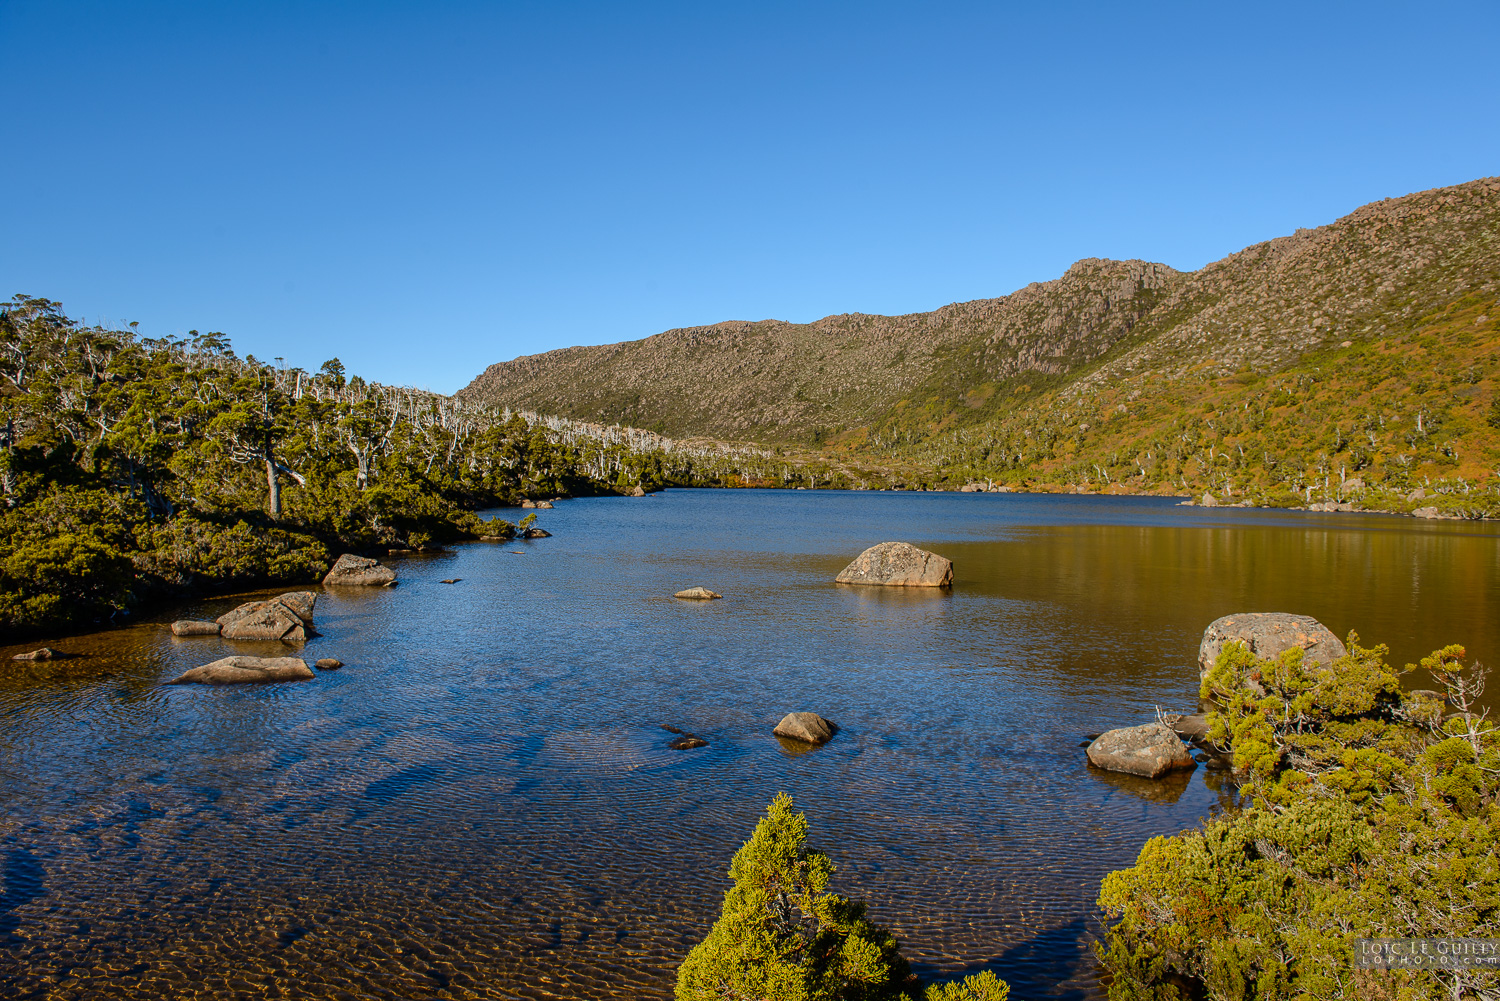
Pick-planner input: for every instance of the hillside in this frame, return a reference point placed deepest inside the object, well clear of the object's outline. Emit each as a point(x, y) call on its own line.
point(778, 381)
point(1365, 350)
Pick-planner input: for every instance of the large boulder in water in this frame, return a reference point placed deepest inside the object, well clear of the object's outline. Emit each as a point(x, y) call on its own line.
point(246, 670)
point(1148, 751)
point(898, 564)
point(1268, 635)
point(357, 571)
point(287, 617)
point(809, 728)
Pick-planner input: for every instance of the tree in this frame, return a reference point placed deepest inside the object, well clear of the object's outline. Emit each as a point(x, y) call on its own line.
point(783, 937)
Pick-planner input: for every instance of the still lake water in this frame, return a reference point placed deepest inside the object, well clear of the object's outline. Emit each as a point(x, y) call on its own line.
point(481, 804)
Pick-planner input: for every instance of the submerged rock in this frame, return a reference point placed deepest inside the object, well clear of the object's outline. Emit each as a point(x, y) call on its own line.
point(246, 670)
point(358, 571)
point(194, 627)
point(1147, 751)
point(42, 653)
point(898, 564)
point(1268, 635)
point(687, 742)
point(698, 593)
point(807, 727)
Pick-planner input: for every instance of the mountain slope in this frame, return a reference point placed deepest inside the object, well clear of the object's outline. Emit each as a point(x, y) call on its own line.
point(774, 380)
point(1115, 366)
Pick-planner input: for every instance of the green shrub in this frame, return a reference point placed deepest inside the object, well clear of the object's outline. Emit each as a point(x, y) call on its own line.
point(783, 936)
point(1371, 813)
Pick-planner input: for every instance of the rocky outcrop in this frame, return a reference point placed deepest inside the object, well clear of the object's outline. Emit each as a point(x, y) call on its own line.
point(287, 617)
point(1268, 635)
point(246, 670)
point(1148, 751)
point(809, 728)
point(698, 594)
point(194, 627)
point(528, 502)
point(357, 571)
point(635, 491)
point(536, 533)
point(544, 505)
point(898, 564)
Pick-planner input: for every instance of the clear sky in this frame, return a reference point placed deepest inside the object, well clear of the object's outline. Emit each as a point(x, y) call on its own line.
point(425, 188)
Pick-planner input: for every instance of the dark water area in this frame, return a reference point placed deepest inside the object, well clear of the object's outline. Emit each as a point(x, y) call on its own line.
point(482, 804)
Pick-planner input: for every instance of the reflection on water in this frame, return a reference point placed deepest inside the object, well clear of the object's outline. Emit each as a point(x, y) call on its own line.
point(482, 803)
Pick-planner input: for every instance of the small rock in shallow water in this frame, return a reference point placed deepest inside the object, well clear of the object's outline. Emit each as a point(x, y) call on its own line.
point(700, 593)
point(246, 670)
point(537, 533)
point(45, 653)
point(328, 664)
point(687, 742)
point(807, 727)
point(194, 627)
point(1147, 751)
point(670, 729)
point(451, 580)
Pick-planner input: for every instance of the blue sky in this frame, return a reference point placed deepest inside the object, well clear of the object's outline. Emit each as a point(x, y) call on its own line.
point(424, 189)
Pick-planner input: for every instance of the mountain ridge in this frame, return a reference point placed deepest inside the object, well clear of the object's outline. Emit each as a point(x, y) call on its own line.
point(1400, 289)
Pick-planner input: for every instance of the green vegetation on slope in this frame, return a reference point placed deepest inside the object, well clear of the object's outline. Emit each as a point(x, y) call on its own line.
point(1372, 813)
point(784, 937)
point(1416, 410)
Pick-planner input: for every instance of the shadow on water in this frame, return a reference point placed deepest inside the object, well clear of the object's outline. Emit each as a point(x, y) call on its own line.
point(24, 881)
point(1032, 966)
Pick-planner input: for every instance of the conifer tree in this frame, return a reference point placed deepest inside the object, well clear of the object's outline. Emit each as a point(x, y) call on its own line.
point(783, 936)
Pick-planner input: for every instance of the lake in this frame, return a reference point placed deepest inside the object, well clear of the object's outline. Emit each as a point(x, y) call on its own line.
point(482, 803)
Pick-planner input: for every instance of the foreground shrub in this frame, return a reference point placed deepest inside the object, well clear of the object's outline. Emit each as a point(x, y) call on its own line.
point(783, 936)
point(1371, 813)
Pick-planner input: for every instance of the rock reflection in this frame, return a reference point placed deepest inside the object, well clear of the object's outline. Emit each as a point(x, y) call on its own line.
point(1167, 788)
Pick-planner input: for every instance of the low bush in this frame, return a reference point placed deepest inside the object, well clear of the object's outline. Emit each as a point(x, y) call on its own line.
point(1370, 812)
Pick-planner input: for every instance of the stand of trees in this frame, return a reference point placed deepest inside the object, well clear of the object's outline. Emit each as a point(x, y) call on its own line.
point(133, 468)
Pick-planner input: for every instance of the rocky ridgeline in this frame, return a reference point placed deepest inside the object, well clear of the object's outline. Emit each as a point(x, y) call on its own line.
point(1353, 279)
point(771, 380)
